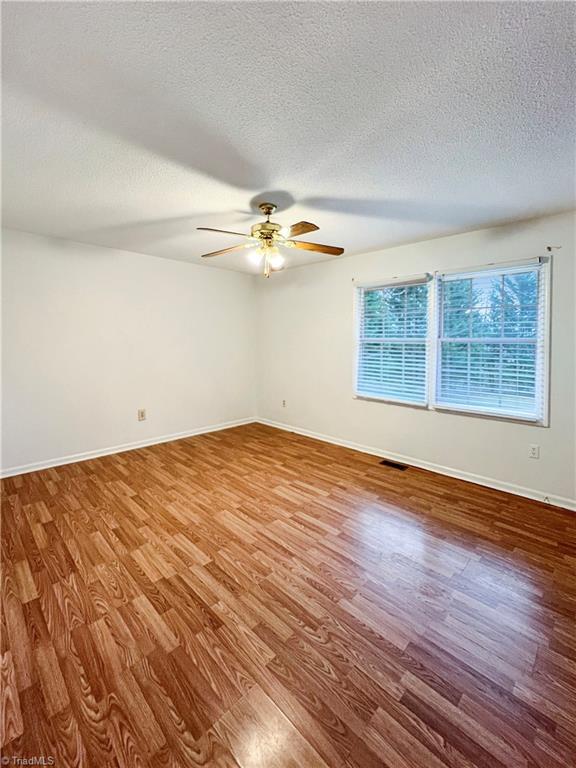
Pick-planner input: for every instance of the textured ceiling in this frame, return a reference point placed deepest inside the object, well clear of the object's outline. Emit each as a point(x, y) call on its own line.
point(130, 124)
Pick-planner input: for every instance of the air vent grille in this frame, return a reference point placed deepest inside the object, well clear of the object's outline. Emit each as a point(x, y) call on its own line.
point(394, 465)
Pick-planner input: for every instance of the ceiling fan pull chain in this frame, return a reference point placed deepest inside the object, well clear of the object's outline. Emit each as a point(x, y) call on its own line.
point(266, 264)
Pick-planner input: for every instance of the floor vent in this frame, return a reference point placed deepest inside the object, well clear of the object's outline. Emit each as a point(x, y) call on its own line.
point(394, 465)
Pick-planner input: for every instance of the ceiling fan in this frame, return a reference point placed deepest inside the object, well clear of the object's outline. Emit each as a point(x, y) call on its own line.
point(266, 236)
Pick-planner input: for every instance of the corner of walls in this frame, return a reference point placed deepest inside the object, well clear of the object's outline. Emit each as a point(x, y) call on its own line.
point(254, 360)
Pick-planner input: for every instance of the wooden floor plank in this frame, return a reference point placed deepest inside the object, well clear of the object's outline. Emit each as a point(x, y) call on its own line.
point(12, 725)
point(256, 599)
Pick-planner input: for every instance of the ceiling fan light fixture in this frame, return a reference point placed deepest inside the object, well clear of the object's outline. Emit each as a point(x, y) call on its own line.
point(273, 260)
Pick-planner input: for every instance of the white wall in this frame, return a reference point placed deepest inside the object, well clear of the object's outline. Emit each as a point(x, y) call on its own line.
point(92, 334)
point(305, 357)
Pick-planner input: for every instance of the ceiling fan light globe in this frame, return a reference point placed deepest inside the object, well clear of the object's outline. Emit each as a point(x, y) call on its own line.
point(277, 261)
point(255, 257)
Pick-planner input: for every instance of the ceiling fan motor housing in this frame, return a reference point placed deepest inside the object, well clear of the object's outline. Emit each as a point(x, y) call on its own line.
point(266, 230)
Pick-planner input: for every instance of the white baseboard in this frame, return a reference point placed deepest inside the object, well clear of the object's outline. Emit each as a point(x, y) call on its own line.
point(499, 485)
point(58, 462)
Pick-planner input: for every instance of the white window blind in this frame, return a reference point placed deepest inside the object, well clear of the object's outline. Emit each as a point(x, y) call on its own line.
point(393, 342)
point(491, 355)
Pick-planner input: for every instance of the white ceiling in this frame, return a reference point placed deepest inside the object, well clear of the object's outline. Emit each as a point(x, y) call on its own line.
point(130, 124)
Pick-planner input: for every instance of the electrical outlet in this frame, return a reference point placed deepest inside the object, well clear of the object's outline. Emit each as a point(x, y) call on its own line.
point(141, 414)
point(283, 403)
point(533, 451)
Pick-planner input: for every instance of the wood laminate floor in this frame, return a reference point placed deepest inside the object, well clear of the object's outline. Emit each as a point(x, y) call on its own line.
point(255, 598)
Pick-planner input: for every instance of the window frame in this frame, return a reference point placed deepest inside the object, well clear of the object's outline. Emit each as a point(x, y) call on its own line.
point(434, 340)
point(393, 282)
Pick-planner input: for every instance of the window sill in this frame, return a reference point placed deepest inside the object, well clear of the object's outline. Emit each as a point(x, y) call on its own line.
point(487, 414)
point(458, 410)
point(390, 401)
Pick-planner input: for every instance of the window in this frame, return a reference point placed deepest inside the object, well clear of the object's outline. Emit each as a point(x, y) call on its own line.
point(491, 342)
point(489, 354)
point(393, 342)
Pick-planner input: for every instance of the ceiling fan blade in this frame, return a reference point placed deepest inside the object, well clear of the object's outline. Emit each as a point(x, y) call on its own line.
point(301, 228)
point(224, 231)
point(332, 250)
point(224, 250)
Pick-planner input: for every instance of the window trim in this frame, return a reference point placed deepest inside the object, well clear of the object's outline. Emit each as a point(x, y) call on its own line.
point(544, 263)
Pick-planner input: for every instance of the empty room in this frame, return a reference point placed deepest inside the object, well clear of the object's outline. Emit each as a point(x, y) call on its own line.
point(288, 460)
